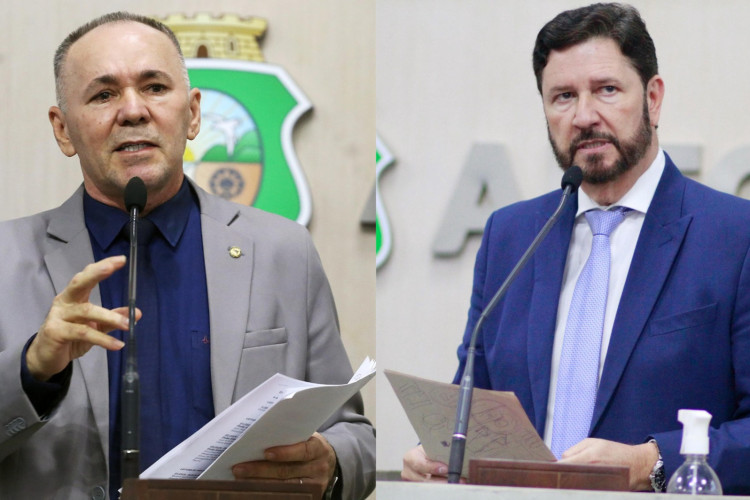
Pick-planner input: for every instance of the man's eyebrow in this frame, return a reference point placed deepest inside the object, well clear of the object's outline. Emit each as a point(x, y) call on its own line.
point(101, 80)
point(595, 82)
point(610, 80)
point(147, 74)
point(559, 88)
point(151, 74)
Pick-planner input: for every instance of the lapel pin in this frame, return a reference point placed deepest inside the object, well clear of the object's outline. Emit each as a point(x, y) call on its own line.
point(235, 252)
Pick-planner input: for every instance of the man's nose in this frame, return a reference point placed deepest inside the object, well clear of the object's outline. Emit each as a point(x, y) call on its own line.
point(586, 113)
point(133, 109)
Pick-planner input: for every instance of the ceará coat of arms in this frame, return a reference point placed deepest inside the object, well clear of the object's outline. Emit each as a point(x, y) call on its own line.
point(249, 108)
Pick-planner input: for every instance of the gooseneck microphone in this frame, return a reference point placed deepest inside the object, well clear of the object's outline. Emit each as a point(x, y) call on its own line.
point(135, 201)
point(571, 180)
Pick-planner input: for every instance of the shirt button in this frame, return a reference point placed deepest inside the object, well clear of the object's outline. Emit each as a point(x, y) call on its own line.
point(98, 493)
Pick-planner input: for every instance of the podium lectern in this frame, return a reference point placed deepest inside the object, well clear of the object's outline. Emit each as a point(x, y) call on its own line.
point(534, 474)
point(190, 489)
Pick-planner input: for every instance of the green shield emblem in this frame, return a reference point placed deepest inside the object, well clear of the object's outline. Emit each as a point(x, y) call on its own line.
point(244, 150)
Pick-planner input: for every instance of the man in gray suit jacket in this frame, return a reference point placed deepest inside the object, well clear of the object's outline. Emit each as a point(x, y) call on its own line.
point(126, 109)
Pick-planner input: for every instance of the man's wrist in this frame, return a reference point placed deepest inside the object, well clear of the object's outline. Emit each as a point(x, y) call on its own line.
point(657, 476)
point(30, 362)
point(44, 395)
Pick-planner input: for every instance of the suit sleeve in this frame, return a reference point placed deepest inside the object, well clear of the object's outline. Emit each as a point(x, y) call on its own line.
point(18, 417)
point(348, 431)
point(729, 452)
point(478, 303)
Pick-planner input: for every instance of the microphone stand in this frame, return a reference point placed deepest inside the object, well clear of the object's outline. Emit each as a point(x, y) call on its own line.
point(135, 200)
point(570, 183)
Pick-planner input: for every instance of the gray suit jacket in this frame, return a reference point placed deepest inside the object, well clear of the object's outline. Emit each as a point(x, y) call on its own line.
point(271, 310)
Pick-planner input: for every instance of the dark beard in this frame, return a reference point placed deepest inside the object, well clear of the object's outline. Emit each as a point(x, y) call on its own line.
point(631, 152)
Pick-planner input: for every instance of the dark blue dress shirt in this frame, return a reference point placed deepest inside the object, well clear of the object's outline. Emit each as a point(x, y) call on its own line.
point(172, 337)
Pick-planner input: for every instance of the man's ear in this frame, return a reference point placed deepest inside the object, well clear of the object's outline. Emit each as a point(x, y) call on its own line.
point(195, 113)
point(60, 129)
point(655, 97)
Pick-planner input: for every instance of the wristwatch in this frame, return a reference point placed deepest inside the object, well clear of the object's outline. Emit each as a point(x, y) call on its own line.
point(658, 477)
point(330, 490)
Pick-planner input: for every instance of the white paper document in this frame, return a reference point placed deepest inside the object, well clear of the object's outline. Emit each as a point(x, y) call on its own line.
point(498, 425)
point(280, 411)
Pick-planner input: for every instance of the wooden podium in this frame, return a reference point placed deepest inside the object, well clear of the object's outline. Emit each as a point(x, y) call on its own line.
point(548, 475)
point(191, 489)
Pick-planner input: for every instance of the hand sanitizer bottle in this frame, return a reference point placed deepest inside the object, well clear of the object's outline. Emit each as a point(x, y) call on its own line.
point(695, 476)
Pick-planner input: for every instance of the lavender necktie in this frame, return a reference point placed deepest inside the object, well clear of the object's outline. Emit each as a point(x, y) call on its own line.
point(578, 374)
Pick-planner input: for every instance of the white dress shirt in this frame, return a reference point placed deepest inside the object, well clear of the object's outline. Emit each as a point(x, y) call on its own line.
point(622, 245)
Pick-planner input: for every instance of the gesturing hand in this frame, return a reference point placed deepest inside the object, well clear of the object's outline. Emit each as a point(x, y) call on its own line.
point(73, 324)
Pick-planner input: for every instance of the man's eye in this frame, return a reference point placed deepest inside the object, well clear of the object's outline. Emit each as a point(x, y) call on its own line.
point(609, 89)
point(103, 96)
point(564, 96)
point(157, 88)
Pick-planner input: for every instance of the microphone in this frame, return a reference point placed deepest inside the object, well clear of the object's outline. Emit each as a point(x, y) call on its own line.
point(135, 194)
point(135, 201)
point(571, 180)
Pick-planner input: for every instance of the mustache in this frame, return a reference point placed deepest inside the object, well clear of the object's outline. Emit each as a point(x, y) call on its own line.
point(590, 134)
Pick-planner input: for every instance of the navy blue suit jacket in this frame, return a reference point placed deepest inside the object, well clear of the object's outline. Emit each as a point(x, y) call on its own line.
point(681, 337)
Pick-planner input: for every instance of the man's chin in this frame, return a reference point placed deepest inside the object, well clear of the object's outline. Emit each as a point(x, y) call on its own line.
point(154, 176)
point(602, 174)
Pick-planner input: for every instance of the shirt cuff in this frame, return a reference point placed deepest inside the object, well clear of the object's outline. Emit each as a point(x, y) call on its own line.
point(44, 396)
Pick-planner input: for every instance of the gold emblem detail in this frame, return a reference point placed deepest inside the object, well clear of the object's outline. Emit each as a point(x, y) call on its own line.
point(225, 37)
point(235, 252)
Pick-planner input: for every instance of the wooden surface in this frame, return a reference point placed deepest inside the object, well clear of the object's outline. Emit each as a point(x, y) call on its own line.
point(187, 489)
point(548, 475)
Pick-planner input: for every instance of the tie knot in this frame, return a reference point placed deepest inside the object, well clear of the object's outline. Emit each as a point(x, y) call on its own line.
point(603, 222)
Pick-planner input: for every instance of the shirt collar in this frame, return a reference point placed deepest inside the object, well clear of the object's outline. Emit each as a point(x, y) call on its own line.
point(105, 222)
point(639, 197)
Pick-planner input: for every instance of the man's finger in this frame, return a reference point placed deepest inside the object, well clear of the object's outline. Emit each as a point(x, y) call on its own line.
point(124, 311)
point(299, 452)
point(79, 288)
point(417, 467)
point(269, 470)
point(104, 319)
point(86, 334)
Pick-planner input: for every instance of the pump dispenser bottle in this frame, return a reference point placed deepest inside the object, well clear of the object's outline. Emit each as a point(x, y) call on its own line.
point(695, 476)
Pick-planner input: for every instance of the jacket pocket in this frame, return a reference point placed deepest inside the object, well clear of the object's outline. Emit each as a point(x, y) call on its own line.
point(264, 353)
point(682, 321)
point(262, 338)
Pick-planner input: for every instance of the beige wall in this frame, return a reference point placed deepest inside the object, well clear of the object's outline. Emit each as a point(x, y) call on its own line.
point(327, 47)
point(451, 73)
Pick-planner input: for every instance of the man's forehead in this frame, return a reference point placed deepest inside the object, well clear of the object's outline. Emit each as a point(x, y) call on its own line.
point(590, 48)
point(119, 44)
point(596, 59)
point(118, 35)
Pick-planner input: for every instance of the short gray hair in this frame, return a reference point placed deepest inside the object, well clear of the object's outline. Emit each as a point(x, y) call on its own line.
point(113, 17)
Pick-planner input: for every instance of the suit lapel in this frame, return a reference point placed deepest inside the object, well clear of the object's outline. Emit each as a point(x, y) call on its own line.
point(549, 266)
point(661, 237)
point(229, 280)
point(63, 261)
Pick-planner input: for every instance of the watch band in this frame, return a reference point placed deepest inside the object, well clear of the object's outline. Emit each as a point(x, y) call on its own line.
point(331, 489)
point(328, 495)
point(658, 477)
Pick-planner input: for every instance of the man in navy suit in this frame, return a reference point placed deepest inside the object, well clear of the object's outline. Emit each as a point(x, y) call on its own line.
point(675, 322)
